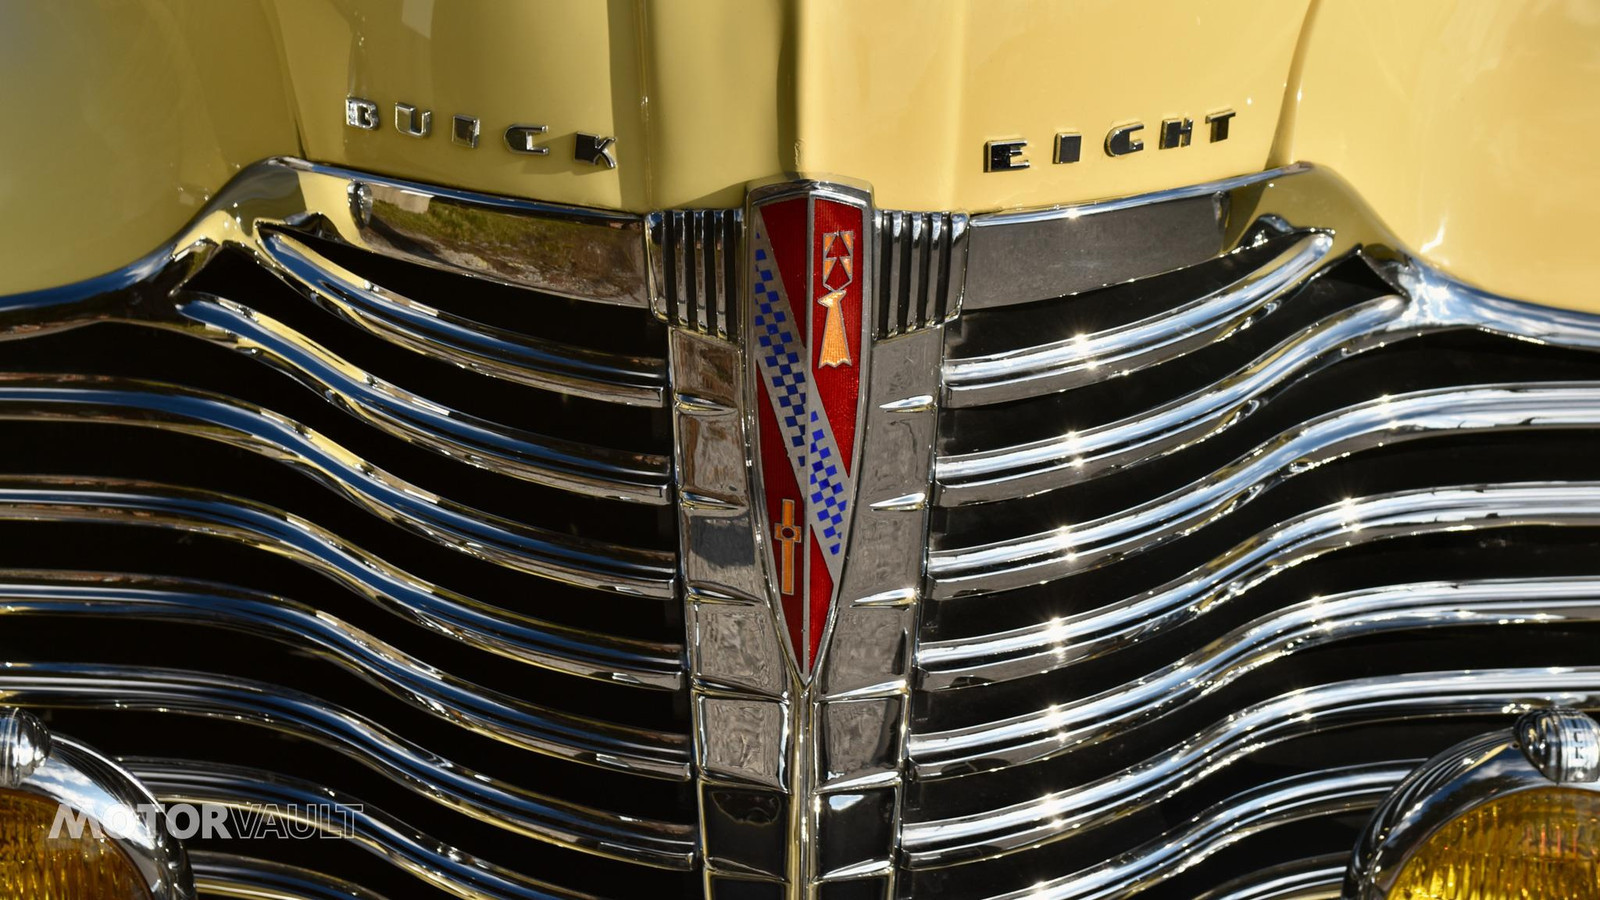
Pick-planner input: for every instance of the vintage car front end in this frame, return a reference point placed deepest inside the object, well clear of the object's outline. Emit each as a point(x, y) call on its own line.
point(800, 449)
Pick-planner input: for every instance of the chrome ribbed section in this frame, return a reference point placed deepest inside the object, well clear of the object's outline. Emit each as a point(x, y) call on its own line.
point(921, 269)
point(694, 260)
point(364, 489)
point(1231, 528)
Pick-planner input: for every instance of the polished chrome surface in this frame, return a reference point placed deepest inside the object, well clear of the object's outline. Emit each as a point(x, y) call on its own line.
point(1155, 641)
point(398, 843)
point(247, 878)
point(1364, 613)
point(501, 631)
point(1041, 465)
point(471, 345)
point(178, 409)
point(418, 568)
point(694, 267)
point(1055, 815)
point(801, 777)
point(922, 269)
point(1078, 359)
point(475, 794)
point(1563, 744)
point(142, 600)
point(1476, 771)
point(79, 779)
point(1294, 799)
point(24, 746)
point(1024, 658)
point(1354, 521)
point(1313, 878)
point(1020, 257)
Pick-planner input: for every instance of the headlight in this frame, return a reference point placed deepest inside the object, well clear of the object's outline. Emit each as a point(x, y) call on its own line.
point(1498, 817)
point(1532, 844)
point(35, 864)
point(74, 824)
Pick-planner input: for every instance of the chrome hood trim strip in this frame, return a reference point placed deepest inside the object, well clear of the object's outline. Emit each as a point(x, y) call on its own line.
point(474, 794)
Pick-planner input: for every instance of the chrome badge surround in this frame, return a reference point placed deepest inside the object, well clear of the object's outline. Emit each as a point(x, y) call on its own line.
point(799, 758)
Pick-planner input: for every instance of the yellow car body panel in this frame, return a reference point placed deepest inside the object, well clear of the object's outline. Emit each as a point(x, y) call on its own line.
point(1465, 125)
point(1470, 128)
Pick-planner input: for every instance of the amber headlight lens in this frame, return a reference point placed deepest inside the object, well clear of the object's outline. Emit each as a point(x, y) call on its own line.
point(40, 867)
point(1534, 845)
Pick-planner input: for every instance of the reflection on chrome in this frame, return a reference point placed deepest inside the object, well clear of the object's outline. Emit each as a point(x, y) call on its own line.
point(502, 631)
point(1347, 523)
point(1330, 792)
point(1437, 306)
point(472, 345)
point(247, 878)
point(1384, 422)
point(1369, 612)
point(1313, 878)
point(1055, 815)
point(257, 211)
point(1083, 359)
point(497, 715)
point(437, 864)
point(487, 799)
point(171, 408)
point(1117, 625)
point(83, 782)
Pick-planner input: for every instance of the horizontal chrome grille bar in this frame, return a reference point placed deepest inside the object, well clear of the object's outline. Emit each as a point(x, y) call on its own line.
point(182, 410)
point(481, 348)
point(144, 600)
point(1356, 521)
point(1321, 531)
point(245, 878)
point(1386, 422)
point(432, 862)
point(501, 631)
point(632, 572)
point(1041, 820)
point(487, 799)
point(1346, 790)
point(1082, 359)
point(1365, 613)
point(1314, 878)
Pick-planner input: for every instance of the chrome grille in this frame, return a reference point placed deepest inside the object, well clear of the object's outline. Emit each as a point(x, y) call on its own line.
point(1239, 517)
point(372, 503)
point(1237, 512)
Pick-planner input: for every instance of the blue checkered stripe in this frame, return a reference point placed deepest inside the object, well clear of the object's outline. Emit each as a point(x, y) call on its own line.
point(780, 357)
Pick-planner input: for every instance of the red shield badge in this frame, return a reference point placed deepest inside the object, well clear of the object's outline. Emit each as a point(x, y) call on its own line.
point(807, 340)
